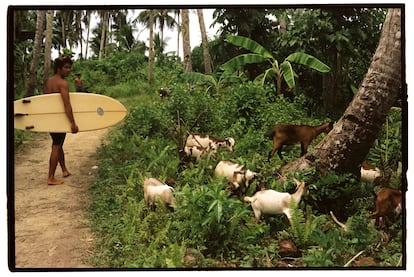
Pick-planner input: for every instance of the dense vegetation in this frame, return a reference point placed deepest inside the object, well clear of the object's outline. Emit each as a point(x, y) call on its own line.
point(210, 229)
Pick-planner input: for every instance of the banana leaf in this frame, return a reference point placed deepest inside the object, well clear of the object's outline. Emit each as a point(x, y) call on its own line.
point(261, 78)
point(238, 61)
point(288, 73)
point(309, 61)
point(250, 45)
point(199, 78)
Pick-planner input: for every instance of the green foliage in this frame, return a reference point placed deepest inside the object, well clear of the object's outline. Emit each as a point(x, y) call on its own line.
point(261, 54)
point(345, 37)
point(309, 61)
point(387, 150)
point(198, 111)
point(147, 121)
point(214, 84)
point(332, 192)
point(210, 218)
point(208, 228)
point(335, 247)
point(22, 138)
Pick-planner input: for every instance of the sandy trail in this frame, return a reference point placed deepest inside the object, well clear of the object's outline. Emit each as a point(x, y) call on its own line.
point(51, 229)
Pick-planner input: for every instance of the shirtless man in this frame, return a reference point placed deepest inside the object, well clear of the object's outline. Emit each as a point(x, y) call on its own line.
point(58, 84)
point(78, 83)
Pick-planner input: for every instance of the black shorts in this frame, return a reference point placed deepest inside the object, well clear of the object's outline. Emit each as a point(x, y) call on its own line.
point(58, 138)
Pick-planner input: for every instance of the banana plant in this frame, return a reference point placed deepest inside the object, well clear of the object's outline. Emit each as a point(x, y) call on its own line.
point(260, 54)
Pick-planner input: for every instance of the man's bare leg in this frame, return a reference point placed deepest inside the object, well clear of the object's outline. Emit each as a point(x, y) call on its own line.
point(53, 161)
point(65, 171)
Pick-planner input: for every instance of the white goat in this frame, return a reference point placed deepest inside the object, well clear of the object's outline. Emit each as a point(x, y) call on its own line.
point(207, 142)
point(155, 189)
point(198, 152)
point(369, 173)
point(237, 174)
point(272, 202)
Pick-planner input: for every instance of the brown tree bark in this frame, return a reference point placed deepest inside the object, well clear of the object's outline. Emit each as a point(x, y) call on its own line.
point(104, 33)
point(34, 66)
point(185, 29)
point(151, 48)
point(204, 43)
point(348, 144)
point(48, 45)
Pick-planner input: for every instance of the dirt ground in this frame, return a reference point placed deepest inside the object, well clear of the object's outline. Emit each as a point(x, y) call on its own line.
point(51, 229)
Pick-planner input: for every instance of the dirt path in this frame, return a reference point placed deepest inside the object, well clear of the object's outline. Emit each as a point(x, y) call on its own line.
point(50, 221)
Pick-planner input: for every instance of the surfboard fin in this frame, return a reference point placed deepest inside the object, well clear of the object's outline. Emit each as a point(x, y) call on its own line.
point(20, 114)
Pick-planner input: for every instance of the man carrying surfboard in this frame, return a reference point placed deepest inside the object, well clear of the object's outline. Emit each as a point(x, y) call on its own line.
point(58, 84)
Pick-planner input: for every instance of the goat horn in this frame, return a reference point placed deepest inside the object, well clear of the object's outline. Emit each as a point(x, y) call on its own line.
point(298, 183)
point(343, 226)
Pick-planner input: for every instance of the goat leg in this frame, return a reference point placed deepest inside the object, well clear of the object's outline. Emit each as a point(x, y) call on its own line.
point(279, 153)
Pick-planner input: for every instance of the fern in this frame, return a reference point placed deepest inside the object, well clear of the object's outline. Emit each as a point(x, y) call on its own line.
point(297, 223)
point(302, 227)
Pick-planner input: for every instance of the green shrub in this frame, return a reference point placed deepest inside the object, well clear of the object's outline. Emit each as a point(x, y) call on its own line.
point(211, 219)
point(198, 111)
point(147, 121)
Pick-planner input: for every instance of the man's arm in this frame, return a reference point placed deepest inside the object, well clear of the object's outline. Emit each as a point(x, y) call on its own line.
point(64, 92)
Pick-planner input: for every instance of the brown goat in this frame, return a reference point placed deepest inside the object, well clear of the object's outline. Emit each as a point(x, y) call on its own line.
point(387, 204)
point(284, 134)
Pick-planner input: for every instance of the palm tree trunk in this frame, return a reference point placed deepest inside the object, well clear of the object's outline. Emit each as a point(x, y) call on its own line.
point(48, 45)
point(204, 42)
point(63, 29)
point(151, 47)
point(88, 15)
point(178, 30)
point(348, 144)
point(186, 40)
point(79, 15)
point(104, 33)
point(40, 22)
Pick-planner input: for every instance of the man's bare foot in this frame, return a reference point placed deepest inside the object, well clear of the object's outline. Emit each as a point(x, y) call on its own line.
point(66, 174)
point(53, 182)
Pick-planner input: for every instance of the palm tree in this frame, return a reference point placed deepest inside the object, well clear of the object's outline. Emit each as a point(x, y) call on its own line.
point(204, 42)
point(185, 28)
point(347, 145)
point(177, 13)
point(48, 45)
point(76, 34)
point(163, 19)
point(87, 21)
point(40, 22)
point(151, 47)
point(123, 30)
point(64, 24)
point(104, 14)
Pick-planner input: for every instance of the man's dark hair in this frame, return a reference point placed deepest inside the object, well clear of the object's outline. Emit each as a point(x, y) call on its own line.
point(61, 61)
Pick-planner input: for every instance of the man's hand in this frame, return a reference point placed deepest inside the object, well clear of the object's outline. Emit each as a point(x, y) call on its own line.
point(74, 128)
